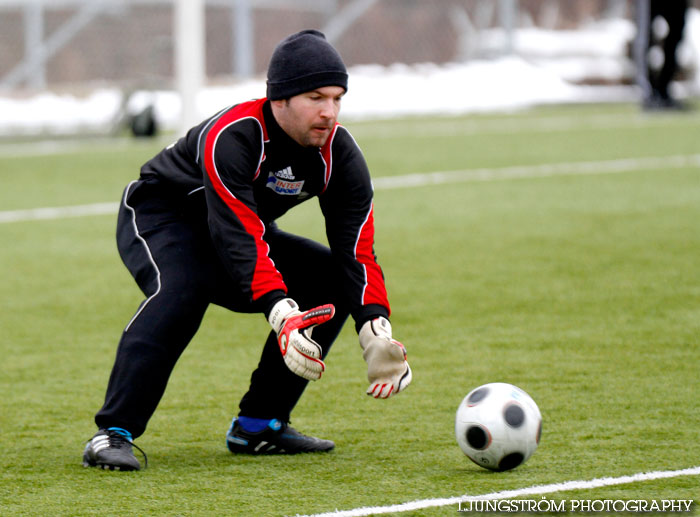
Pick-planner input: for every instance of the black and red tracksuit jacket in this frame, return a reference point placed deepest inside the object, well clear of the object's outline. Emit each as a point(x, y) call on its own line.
point(252, 172)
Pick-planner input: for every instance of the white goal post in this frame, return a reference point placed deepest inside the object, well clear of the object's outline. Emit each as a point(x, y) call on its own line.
point(189, 58)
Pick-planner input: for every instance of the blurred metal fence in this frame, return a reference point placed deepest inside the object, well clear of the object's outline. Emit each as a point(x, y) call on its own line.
point(73, 43)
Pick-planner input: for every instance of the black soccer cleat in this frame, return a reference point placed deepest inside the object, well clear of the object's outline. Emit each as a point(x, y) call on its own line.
point(111, 449)
point(277, 438)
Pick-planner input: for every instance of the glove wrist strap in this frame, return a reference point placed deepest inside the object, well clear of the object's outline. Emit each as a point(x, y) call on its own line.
point(280, 312)
point(376, 328)
point(381, 327)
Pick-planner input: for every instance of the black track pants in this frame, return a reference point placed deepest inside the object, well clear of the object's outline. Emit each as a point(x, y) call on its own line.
point(168, 251)
point(655, 82)
point(674, 12)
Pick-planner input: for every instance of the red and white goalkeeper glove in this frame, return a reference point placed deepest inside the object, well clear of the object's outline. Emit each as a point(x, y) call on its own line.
point(387, 369)
point(302, 355)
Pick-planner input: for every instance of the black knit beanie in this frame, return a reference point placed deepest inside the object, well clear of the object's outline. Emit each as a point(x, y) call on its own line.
point(303, 62)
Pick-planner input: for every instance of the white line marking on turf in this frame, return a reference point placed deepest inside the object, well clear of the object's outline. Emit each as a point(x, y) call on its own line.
point(60, 212)
point(420, 180)
point(76, 145)
point(535, 171)
point(509, 494)
point(449, 127)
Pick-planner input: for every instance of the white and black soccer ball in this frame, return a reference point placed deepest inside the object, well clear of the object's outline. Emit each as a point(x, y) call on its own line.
point(498, 426)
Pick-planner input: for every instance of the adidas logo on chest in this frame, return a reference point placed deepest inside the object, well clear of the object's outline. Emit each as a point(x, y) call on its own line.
point(282, 182)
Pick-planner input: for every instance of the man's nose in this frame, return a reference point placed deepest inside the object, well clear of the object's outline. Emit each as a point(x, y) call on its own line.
point(329, 109)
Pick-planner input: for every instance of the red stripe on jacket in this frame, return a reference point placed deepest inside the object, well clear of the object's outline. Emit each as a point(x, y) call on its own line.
point(374, 291)
point(266, 277)
point(327, 156)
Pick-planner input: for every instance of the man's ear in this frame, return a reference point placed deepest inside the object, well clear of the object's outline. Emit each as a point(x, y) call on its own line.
point(279, 103)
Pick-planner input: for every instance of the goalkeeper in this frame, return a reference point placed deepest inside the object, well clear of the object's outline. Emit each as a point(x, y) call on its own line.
point(198, 227)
